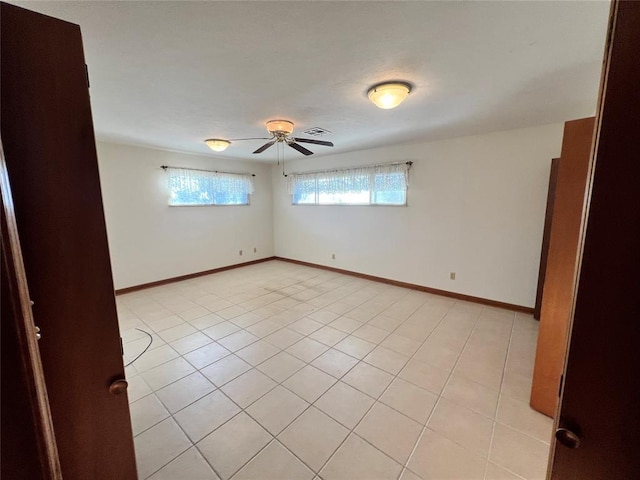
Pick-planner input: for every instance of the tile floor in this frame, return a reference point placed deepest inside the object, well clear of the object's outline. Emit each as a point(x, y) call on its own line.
point(279, 371)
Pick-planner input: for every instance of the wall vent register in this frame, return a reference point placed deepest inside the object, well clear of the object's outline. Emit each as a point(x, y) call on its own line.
point(317, 132)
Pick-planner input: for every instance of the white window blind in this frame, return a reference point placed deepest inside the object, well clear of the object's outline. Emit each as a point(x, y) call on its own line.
point(371, 185)
point(200, 187)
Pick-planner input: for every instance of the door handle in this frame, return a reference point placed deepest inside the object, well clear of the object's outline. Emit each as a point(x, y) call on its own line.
point(118, 386)
point(568, 438)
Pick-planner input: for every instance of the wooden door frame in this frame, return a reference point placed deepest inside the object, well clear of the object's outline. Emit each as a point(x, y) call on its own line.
point(546, 235)
point(24, 326)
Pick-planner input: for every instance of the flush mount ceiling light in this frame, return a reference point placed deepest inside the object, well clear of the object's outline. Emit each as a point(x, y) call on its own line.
point(217, 144)
point(282, 127)
point(389, 95)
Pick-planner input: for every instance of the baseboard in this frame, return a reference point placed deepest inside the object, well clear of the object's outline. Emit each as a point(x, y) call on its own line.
point(412, 286)
point(158, 283)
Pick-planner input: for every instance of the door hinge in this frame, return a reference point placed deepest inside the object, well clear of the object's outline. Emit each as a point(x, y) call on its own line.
point(86, 69)
point(121, 347)
point(561, 385)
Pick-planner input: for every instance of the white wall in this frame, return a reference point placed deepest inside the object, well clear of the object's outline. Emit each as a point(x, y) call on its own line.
point(151, 241)
point(476, 207)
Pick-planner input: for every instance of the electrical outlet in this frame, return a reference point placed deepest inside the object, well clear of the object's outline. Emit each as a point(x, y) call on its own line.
point(255, 250)
point(452, 275)
point(333, 256)
point(240, 253)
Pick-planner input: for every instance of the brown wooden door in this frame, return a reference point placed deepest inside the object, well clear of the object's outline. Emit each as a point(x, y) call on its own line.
point(49, 147)
point(562, 261)
point(601, 396)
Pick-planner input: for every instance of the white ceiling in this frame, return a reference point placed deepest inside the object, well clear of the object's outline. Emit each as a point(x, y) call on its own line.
point(170, 74)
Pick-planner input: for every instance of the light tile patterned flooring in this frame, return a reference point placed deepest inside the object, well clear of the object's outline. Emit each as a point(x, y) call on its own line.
point(279, 371)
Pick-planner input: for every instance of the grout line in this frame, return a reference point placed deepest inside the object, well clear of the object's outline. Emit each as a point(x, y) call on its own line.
point(244, 409)
point(495, 416)
point(235, 352)
point(310, 405)
point(435, 406)
point(222, 392)
point(352, 432)
point(191, 445)
point(361, 286)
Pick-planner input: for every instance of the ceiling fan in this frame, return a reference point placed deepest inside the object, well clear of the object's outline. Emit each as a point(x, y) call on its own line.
point(281, 131)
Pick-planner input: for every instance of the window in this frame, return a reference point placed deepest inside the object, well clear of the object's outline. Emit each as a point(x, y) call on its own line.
point(374, 185)
point(199, 187)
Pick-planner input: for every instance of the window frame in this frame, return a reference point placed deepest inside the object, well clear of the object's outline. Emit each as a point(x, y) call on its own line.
point(372, 173)
point(211, 174)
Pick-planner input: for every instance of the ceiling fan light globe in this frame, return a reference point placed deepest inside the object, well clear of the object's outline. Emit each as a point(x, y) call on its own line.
point(389, 95)
point(283, 127)
point(217, 144)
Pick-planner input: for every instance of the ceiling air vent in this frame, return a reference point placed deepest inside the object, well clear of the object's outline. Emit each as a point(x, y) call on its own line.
point(317, 132)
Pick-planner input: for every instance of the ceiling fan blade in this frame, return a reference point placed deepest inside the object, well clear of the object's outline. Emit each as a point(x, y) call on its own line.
point(300, 148)
point(252, 138)
point(265, 146)
point(311, 140)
